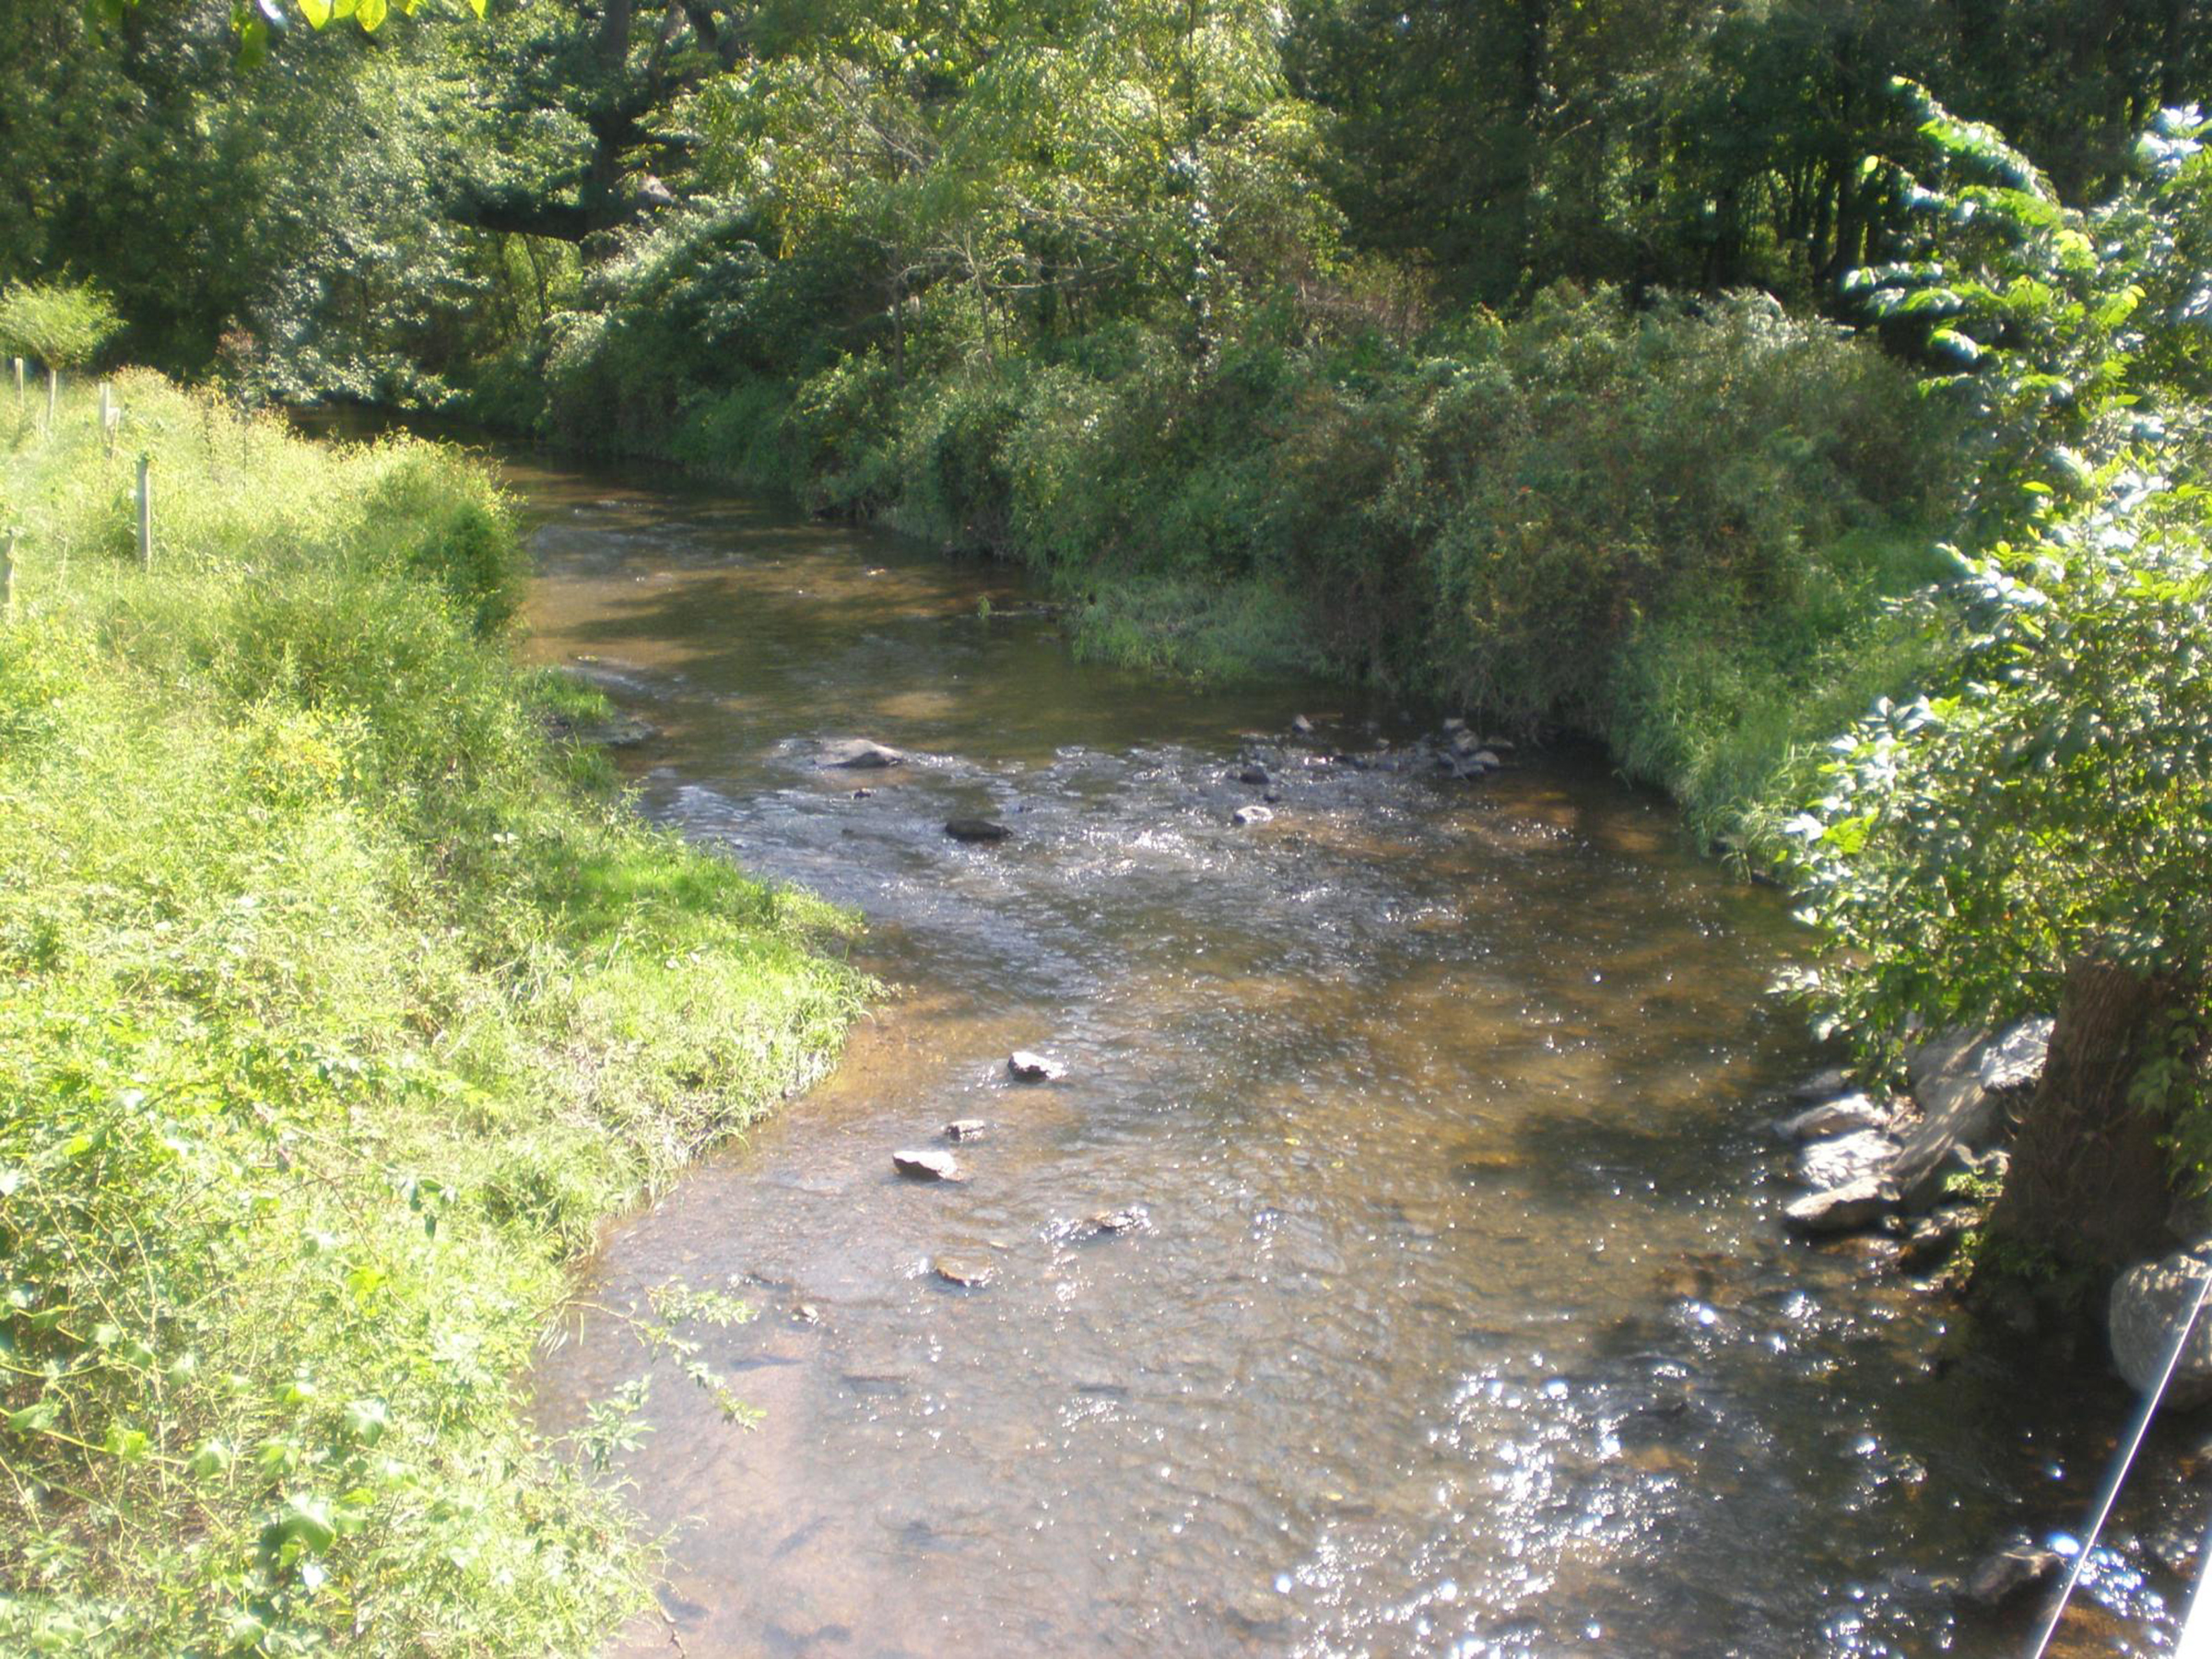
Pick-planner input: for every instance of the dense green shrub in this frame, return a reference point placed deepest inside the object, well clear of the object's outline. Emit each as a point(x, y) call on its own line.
point(59, 324)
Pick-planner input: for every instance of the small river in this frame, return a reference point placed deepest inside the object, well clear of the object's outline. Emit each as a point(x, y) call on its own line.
point(1457, 1318)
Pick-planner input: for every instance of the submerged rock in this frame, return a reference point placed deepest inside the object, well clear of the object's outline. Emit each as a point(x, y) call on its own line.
point(1112, 1223)
point(1301, 725)
point(925, 1163)
point(624, 731)
point(1822, 1084)
point(1027, 1067)
point(1254, 775)
point(1842, 1209)
point(1931, 1241)
point(1849, 1114)
point(859, 753)
point(965, 1129)
point(976, 830)
point(1998, 1578)
point(2148, 1303)
point(970, 1273)
point(1244, 816)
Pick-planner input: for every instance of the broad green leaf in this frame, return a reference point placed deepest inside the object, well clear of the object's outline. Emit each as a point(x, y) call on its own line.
point(36, 1419)
point(307, 1518)
point(369, 15)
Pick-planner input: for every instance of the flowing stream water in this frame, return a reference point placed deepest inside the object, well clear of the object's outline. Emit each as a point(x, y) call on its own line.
point(1456, 1318)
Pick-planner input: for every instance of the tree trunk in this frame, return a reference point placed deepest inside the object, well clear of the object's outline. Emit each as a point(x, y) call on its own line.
point(2089, 1187)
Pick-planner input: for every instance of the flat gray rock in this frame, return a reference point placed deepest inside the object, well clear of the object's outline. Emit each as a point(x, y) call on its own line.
point(1244, 816)
point(1842, 1158)
point(970, 1273)
point(1842, 1210)
point(1961, 1114)
point(927, 1163)
point(1847, 1114)
point(2015, 1060)
point(858, 753)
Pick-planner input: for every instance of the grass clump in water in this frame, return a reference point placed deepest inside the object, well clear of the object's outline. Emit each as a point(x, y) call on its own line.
point(336, 1006)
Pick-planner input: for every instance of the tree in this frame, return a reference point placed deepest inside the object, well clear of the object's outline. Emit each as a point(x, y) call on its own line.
point(60, 324)
point(2032, 833)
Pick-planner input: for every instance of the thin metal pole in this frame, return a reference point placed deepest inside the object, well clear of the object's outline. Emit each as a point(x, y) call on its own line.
point(145, 512)
point(2121, 1460)
point(7, 574)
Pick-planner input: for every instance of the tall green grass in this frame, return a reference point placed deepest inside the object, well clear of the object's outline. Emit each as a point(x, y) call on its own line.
point(338, 1003)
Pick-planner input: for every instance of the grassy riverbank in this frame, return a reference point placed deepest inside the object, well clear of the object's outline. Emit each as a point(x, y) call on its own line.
point(336, 1006)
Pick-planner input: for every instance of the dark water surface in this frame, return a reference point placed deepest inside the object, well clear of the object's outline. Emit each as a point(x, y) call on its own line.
point(1460, 1322)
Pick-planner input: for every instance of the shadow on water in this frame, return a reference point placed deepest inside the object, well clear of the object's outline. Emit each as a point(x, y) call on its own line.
point(1455, 1317)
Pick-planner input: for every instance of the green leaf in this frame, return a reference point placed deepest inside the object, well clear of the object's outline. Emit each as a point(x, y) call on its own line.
point(35, 1420)
point(307, 1518)
point(369, 15)
point(1848, 835)
point(366, 1420)
point(317, 12)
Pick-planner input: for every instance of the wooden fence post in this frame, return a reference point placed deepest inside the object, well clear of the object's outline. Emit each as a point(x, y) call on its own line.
point(54, 391)
point(145, 512)
point(103, 407)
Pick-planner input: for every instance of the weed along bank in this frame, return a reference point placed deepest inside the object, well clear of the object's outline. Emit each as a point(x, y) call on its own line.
point(340, 1004)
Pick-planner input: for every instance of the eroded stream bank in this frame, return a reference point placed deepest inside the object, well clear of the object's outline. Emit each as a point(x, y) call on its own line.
point(1459, 1321)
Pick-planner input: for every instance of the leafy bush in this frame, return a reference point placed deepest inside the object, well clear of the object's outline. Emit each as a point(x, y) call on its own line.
point(2049, 799)
point(59, 324)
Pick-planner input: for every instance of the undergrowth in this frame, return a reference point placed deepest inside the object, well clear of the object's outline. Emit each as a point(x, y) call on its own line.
point(338, 1003)
point(1674, 527)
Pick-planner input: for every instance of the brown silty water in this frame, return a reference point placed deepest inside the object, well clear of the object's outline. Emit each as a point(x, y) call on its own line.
point(1456, 1318)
